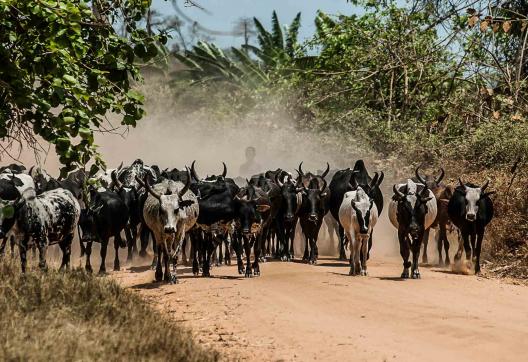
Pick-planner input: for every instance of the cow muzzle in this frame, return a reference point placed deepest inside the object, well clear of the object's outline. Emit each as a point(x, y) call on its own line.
point(363, 231)
point(471, 217)
point(313, 217)
point(290, 217)
point(169, 229)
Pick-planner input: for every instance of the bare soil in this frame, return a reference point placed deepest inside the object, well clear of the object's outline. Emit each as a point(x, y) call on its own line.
point(299, 312)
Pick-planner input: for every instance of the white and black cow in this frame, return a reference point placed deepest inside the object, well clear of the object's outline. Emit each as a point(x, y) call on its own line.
point(471, 209)
point(170, 211)
point(358, 215)
point(412, 210)
point(45, 219)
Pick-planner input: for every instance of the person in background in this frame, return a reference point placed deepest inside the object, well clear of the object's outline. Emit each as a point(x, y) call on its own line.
point(250, 167)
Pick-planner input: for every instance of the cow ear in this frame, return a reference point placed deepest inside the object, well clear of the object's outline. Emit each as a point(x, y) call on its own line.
point(426, 199)
point(185, 203)
point(486, 194)
point(263, 208)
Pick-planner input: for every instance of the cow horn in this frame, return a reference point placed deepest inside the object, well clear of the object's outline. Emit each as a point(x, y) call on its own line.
point(324, 186)
point(417, 173)
point(193, 172)
point(115, 180)
point(485, 186)
point(187, 184)
point(301, 173)
point(397, 192)
point(353, 182)
point(461, 183)
point(278, 181)
point(149, 189)
point(326, 171)
point(380, 179)
point(224, 173)
point(374, 181)
point(120, 166)
point(441, 177)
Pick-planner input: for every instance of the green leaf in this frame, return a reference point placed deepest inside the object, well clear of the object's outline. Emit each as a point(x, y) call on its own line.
point(69, 79)
point(8, 211)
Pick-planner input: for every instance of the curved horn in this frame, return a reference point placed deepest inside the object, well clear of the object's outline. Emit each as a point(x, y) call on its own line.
point(300, 169)
point(374, 181)
point(417, 173)
point(324, 186)
point(441, 177)
point(278, 181)
point(380, 179)
point(224, 173)
point(397, 192)
point(485, 186)
point(461, 183)
point(187, 184)
point(120, 166)
point(193, 172)
point(353, 182)
point(326, 171)
point(147, 186)
point(115, 180)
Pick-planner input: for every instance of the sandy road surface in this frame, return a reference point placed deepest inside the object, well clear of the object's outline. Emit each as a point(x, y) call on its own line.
point(300, 312)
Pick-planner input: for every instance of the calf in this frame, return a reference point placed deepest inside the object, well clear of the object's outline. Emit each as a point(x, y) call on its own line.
point(170, 211)
point(412, 210)
point(358, 215)
point(105, 217)
point(471, 209)
point(46, 219)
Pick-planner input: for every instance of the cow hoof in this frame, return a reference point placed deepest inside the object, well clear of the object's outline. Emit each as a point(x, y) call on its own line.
point(143, 254)
point(88, 269)
point(117, 267)
point(249, 273)
point(153, 266)
point(405, 275)
point(102, 272)
point(416, 275)
point(351, 273)
point(173, 279)
point(256, 272)
point(364, 273)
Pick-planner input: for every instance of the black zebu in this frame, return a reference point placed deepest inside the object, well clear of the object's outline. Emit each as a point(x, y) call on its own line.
point(288, 216)
point(471, 209)
point(104, 217)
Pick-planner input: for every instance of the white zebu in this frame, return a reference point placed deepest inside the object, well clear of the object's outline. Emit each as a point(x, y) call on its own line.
point(170, 211)
point(358, 215)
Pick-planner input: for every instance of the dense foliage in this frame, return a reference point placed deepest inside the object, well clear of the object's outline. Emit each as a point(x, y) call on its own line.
point(64, 67)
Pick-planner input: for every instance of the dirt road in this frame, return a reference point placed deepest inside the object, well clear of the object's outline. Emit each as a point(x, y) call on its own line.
point(300, 312)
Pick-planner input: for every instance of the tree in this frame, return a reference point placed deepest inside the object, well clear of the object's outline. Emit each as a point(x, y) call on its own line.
point(64, 67)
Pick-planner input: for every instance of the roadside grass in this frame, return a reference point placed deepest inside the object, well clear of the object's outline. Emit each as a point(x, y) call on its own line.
point(72, 316)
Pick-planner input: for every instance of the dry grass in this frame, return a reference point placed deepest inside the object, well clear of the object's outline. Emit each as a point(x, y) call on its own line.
point(75, 316)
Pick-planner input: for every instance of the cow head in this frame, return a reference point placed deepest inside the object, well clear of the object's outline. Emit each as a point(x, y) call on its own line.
point(314, 198)
point(251, 205)
point(474, 195)
point(171, 204)
point(213, 178)
point(412, 208)
point(291, 197)
point(429, 180)
point(88, 217)
point(362, 205)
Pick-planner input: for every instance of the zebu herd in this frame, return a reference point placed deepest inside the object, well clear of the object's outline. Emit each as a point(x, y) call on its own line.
point(219, 215)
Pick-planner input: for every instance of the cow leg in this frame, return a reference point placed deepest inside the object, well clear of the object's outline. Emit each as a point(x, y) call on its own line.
point(443, 237)
point(425, 259)
point(480, 237)
point(155, 258)
point(257, 248)
point(460, 250)
point(352, 271)
point(313, 250)
point(364, 256)
point(306, 255)
point(88, 253)
point(184, 250)
point(467, 245)
point(144, 234)
point(83, 250)
point(220, 252)
point(104, 246)
point(65, 245)
point(209, 249)
point(42, 245)
point(342, 254)
point(13, 242)
point(416, 246)
point(194, 254)
point(405, 253)
point(227, 254)
point(22, 250)
point(130, 243)
point(117, 243)
point(167, 276)
point(472, 238)
point(247, 249)
point(2, 247)
point(439, 245)
point(158, 275)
